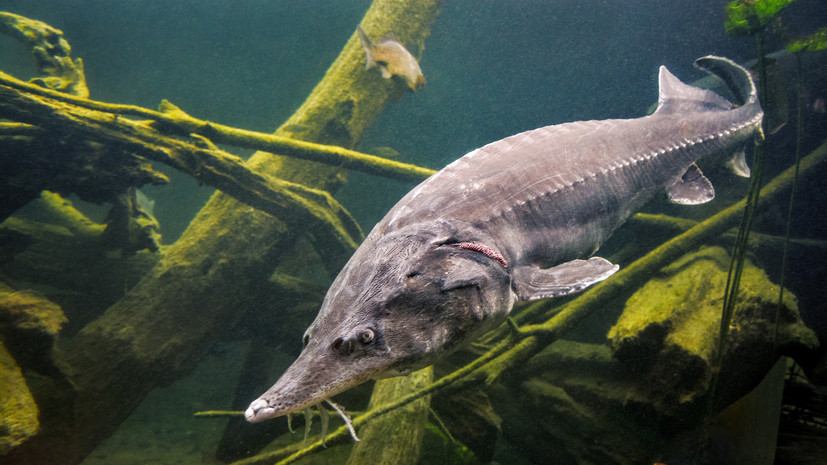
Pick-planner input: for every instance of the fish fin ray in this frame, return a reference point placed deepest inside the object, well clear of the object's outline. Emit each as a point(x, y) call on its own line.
point(367, 45)
point(532, 283)
point(738, 164)
point(676, 97)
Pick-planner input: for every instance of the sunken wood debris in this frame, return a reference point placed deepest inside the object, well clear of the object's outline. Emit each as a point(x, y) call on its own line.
point(218, 273)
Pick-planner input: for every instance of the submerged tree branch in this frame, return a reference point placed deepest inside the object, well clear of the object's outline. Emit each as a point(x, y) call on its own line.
point(204, 162)
point(50, 52)
point(171, 119)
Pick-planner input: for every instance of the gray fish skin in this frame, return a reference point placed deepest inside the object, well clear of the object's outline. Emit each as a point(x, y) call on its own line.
point(513, 220)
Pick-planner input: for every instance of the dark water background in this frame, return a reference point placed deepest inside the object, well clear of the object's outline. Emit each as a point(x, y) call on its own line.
point(494, 68)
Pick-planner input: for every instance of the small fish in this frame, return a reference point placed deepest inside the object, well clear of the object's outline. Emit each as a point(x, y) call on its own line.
point(392, 58)
point(384, 152)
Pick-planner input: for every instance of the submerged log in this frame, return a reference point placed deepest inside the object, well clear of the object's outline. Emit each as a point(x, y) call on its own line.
point(62, 257)
point(28, 166)
point(204, 161)
point(18, 411)
point(665, 334)
point(29, 324)
point(395, 438)
point(51, 53)
point(649, 399)
point(213, 275)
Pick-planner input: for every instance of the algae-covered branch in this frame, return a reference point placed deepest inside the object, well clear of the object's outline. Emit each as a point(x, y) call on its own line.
point(223, 264)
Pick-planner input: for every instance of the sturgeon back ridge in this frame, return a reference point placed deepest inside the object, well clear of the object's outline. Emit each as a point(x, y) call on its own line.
point(514, 220)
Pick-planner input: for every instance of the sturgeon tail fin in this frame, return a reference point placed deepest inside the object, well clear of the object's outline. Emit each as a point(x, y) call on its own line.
point(736, 78)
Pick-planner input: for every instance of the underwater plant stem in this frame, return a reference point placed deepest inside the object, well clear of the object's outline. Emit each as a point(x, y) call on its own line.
point(172, 119)
point(739, 249)
point(756, 238)
point(219, 413)
point(799, 133)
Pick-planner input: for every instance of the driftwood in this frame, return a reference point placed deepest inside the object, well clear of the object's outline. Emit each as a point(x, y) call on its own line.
point(27, 167)
point(27, 162)
point(397, 437)
point(63, 257)
point(292, 202)
point(218, 271)
point(50, 52)
point(18, 411)
point(173, 120)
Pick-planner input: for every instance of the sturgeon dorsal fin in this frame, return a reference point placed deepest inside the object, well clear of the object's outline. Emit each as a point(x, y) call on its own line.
point(675, 96)
point(532, 283)
point(693, 188)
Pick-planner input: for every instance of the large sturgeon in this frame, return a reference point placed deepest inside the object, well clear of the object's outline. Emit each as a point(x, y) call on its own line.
point(512, 221)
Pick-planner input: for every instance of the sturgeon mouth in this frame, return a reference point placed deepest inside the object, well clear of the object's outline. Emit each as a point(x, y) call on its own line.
point(304, 385)
point(260, 410)
point(276, 402)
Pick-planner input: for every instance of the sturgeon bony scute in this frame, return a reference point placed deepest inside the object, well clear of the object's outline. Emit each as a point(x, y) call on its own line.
point(515, 220)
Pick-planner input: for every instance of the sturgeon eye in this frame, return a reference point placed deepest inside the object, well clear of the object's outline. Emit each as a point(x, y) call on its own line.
point(366, 336)
point(305, 340)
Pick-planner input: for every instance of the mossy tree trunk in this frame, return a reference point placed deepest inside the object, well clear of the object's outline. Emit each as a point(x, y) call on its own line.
point(396, 437)
point(218, 270)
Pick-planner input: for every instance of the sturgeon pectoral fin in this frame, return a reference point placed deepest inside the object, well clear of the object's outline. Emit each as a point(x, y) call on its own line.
point(532, 283)
point(692, 188)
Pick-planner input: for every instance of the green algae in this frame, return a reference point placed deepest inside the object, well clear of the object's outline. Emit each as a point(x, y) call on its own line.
point(667, 330)
point(744, 17)
point(814, 42)
point(437, 447)
point(18, 411)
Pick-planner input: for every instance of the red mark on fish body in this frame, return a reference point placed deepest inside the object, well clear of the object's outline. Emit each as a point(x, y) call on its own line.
point(818, 105)
point(483, 249)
